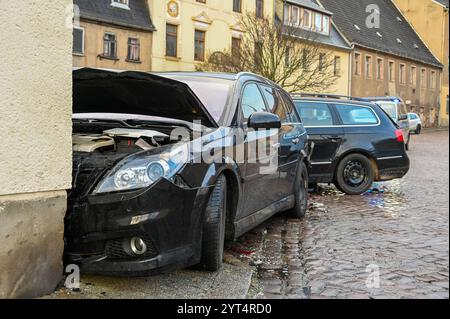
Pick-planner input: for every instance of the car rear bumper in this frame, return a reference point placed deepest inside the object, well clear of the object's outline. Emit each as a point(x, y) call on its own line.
point(168, 218)
point(392, 167)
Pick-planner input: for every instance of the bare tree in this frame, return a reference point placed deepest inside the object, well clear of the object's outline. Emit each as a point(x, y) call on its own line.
point(289, 56)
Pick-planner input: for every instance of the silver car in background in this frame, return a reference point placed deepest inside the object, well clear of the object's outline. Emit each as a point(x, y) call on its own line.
point(415, 123)
point(397, 111)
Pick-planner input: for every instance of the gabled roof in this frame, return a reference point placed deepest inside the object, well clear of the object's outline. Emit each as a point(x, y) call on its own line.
point(137, 17)
point(395, 35)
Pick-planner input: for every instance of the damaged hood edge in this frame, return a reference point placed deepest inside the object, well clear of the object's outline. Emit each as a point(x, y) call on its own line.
point(137, 93)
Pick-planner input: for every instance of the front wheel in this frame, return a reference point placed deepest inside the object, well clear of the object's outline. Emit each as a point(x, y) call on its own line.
point(213, 239)
point(301, 193)
point(354, 174)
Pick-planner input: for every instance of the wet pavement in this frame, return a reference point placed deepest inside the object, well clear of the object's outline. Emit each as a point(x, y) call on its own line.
point(390, 243)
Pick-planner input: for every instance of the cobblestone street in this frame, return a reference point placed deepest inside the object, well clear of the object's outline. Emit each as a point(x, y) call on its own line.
point(337, 251)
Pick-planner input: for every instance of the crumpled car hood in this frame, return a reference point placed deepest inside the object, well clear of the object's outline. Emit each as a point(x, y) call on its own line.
point(140, 93)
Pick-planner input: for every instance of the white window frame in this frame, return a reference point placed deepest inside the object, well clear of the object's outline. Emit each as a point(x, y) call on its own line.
point(297, 16)
point(116, 48)
point(326, 24)
point(82, 41)
point(117, 4)
point(306, 24)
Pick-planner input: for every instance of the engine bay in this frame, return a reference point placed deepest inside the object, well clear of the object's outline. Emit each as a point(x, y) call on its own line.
point(99, 145)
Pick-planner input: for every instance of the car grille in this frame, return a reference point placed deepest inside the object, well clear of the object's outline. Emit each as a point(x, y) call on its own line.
point(115, 249)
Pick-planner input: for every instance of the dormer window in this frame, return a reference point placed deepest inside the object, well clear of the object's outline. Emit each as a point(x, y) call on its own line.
point(297, 16)
point(123, 4)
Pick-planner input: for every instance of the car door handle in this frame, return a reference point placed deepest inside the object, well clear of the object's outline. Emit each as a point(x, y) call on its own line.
point(334, 138)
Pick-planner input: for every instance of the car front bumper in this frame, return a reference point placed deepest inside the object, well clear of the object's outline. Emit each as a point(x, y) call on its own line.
point(167, 217)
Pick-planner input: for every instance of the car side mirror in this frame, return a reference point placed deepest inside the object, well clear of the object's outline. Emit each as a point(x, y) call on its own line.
point(264, 120)
point(403, 117)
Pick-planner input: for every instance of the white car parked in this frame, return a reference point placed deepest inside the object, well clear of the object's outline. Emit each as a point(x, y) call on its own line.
point(415, 123)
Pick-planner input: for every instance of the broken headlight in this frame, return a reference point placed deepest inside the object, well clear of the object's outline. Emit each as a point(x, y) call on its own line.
point(143, 169)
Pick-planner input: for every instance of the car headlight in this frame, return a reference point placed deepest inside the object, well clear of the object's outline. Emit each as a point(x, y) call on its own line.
point(143, 169)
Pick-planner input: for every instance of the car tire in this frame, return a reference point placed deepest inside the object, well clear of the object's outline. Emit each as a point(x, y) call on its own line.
point(354, 174)
point(301, 194)
point(418, 129)
point(213, 239)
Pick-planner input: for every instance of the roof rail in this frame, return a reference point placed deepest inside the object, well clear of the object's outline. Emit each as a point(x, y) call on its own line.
point(328, 96)
point(245, 73)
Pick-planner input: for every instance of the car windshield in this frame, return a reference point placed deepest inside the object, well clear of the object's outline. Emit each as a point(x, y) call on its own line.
point(212, 92)
point(390, 108)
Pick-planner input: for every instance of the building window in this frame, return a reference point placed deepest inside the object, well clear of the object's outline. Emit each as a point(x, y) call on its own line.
point(287, 12)
point(121, 4)
point(258, 54)
point(306, 19)
point(201, 1)
point(237, 5)
point(295, 15)
point(402, 71)
point(306, 59)
point(447, 106)
point(287, 57)
point(357, 64)
point(236, 48)
point(321, 62)
point(321, 23)
point(380, 69)
point(423, 78)
point(134, 49)
point(391, 71)
point(78, 40)
point(259, 8)
point(326, 25)
point(433, 80)
point(413, 76)
point(199, 45)
point(337, 65)
point(171, 40)
point(368, 66)
point(110, 46)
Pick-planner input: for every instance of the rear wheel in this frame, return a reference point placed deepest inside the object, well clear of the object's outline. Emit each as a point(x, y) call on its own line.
point(354, 174)
point(214, 227)
point(418, 129)
point(301, 193)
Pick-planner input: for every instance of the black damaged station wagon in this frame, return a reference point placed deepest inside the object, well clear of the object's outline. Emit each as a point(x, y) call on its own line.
point(145, 200)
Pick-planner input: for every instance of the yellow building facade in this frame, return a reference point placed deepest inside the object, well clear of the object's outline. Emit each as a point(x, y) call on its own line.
point(188, 31)
point(431, 21)
point(210, 23)
point(93, 55)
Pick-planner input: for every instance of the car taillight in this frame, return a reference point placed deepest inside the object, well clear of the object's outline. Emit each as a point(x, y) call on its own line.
point(399, 135)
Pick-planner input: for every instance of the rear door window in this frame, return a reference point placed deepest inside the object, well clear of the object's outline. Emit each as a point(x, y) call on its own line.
point(356, 115)
point(315, 114)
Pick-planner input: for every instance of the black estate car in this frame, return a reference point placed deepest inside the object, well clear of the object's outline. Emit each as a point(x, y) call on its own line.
point(166, 167)
point(354, 142)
